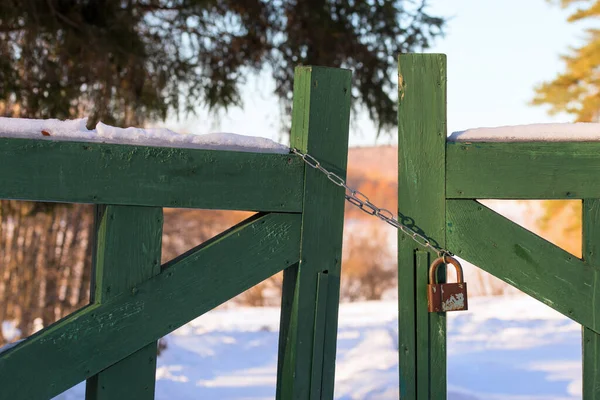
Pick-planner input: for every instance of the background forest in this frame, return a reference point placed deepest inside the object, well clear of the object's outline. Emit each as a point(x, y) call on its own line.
point(69, 59)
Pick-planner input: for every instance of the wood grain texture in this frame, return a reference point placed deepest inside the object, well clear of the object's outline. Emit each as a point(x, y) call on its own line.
point(149, 176)
point(591, 339)
point(128, 250)
point(524, 260)
point(319, 331)
point(421, 200)
point(528, 170)
point(422, 325)
point(100, 335)
point(320, 123)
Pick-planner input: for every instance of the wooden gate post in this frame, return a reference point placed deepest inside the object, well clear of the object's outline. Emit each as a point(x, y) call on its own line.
point(591, 340)
point(422, 201)
point(127, 252)
point(309, 309)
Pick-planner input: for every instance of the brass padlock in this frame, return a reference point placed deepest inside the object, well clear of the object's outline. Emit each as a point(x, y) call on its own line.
point(442, 297)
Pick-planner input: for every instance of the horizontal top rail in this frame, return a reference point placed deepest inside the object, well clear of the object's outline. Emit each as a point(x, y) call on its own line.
point(79, 172)
point(522, 170)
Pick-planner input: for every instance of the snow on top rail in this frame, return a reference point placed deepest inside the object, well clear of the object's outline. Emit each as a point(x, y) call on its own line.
point(577, 132)
point(75, 130)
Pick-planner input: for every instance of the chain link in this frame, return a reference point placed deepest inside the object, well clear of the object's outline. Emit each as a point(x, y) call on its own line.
point(360, 200)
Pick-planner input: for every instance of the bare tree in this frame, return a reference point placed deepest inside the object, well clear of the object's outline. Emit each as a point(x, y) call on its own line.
point(44, 262)
point(368, 266)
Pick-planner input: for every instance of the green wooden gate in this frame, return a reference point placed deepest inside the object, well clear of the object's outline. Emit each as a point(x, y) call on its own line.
point(438, 184)
point(135, 300)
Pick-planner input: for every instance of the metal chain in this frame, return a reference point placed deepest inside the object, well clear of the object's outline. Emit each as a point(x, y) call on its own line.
point(358, 199)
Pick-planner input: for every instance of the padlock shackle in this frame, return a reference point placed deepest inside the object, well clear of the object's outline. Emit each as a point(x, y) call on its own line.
point(445, 260)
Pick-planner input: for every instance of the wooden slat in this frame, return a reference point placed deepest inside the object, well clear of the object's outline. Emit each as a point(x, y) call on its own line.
point(100, 335)
point(422, 325)
point(591, 339)
point(127, 254)
point(523, 170)
point(148, 176)
point(421, 196)
point(319, 332)
point(320, 123)
point(524, 260)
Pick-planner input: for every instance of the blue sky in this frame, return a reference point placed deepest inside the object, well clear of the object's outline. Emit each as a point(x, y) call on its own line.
point(498, 50)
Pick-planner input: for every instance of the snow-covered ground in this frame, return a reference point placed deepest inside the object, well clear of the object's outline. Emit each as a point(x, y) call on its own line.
point(511, 348)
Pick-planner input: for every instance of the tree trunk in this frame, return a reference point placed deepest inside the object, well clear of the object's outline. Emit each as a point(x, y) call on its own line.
point(44, 261)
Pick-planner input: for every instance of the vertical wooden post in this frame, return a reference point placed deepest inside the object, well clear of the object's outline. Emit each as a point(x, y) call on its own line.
point(591, 340)
point(308, 331)
point(128, 249)
point(421, 198)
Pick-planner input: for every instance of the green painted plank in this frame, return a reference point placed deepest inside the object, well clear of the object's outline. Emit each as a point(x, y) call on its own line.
point(98, 336)
point(422, 325)
point(290, 276)
point(149, 176)
point(128, 249)
point(591, 339)
point(527, 170)
point(320, 327)
point(437, 353)
point(421, 197)
point(429, 386)
point(131, 378)
point(524, 260)
point(591, 367)
point(127, 253)
point(407, 320)
point(320, 123)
